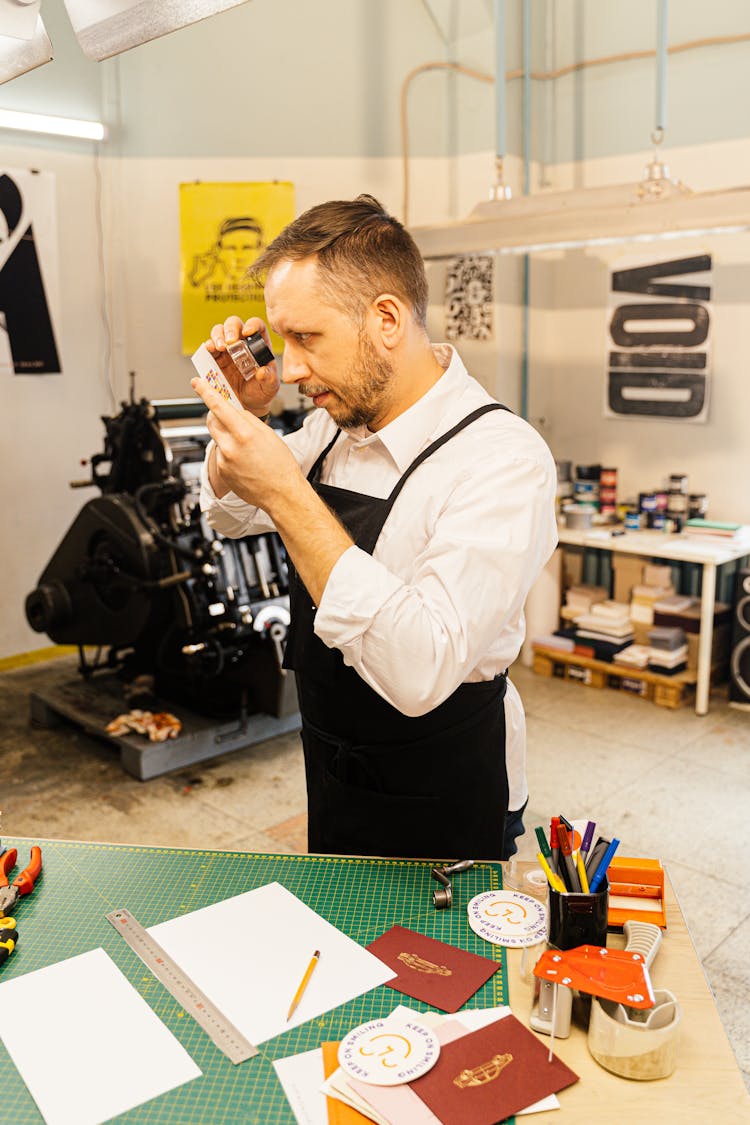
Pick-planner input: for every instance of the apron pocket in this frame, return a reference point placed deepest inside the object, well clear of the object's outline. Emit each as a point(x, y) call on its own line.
point(364, 822)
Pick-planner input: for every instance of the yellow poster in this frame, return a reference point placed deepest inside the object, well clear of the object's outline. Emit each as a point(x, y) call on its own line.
point(223, 228)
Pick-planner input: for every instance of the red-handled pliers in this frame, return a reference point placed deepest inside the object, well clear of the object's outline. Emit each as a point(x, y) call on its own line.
point(23, 884)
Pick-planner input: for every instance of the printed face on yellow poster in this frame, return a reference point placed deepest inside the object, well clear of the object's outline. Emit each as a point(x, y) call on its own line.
point(223, 229)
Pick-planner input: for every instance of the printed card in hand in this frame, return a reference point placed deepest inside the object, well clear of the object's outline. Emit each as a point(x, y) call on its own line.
point(430, 970)
point(490, 1074)
point(208, 369)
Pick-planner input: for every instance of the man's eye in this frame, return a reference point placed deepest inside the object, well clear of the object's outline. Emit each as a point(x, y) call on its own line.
point(302, 337)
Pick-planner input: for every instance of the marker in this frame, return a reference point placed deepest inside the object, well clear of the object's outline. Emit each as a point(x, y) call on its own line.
point(588, 836)
point(554, 880)
point(544, 847)
point(601, 871)
point(567, 850)
point(303, 983)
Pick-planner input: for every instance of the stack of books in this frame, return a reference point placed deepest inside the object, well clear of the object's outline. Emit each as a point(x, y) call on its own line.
point(580, 599)
point(669, 650)
point(602, 632)
point(644, 600)
point(712, 529)
point(607, 621)
point(634, 656)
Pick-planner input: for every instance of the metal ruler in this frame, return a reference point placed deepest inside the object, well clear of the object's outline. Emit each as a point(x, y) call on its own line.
point(187, 994)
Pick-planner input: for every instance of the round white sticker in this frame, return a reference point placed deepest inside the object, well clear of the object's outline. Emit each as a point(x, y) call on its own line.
point(508, 918)
point(389, 1052)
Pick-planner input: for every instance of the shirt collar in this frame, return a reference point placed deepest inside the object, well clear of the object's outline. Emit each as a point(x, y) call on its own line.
point(408, 434)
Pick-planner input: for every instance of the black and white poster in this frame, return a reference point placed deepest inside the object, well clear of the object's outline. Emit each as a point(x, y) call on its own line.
point(659, 338)
point(28, 274)
point(468, 298)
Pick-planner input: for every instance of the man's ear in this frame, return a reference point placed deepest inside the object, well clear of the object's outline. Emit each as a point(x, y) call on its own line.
point(387, 318)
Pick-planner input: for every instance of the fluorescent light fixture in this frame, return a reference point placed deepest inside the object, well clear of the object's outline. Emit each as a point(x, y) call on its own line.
point(587, 217)
point(17, 56)
point(109, 27)
point(43, 123)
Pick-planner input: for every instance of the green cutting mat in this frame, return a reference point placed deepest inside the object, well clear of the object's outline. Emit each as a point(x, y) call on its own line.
point(82, 882)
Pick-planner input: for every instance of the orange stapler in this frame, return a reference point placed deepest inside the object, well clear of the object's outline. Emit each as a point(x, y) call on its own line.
point(636, 892)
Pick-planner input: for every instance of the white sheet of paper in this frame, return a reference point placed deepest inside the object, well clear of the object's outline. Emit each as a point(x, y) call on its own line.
point(300, 1077)
point(86, 1044)
point(249, 954)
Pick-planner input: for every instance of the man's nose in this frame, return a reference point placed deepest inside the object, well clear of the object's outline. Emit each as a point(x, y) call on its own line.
point(294, 366)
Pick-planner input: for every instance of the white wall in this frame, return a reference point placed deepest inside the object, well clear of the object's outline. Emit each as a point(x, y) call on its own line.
point(52, 422)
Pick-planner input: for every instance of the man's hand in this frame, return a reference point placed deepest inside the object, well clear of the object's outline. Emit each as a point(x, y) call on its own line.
point(254, 462)
point(250, 458)
point(255, 394)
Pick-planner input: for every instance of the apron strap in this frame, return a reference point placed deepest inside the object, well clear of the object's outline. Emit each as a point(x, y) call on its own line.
point(441, 441)
point(314, 473)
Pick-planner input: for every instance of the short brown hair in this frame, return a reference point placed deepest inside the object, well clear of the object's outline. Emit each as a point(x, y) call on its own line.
point(362, 251)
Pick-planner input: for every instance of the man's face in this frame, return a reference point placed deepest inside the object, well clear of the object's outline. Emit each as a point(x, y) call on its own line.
point(329, 357)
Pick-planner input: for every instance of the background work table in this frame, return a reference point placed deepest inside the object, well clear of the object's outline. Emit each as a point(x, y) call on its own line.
point(83, 882)
point(708, 554)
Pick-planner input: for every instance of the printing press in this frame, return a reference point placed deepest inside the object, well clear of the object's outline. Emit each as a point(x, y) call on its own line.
point(175, 613)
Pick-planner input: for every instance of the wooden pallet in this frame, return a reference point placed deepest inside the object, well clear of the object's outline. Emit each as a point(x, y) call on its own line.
point(666, 691)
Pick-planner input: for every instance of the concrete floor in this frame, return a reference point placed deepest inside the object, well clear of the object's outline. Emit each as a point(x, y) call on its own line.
point(667, 783)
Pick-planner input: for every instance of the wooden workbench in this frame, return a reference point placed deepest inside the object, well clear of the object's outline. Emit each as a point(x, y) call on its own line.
point(65, 916)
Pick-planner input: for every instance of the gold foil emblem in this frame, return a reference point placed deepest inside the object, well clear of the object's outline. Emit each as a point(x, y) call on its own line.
point(484, 1073)
point(412, 961)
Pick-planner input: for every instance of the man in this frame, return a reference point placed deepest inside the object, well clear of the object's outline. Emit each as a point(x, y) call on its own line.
point(417, 514)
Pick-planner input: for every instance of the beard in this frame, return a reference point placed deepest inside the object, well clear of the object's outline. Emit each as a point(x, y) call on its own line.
point(367, 393)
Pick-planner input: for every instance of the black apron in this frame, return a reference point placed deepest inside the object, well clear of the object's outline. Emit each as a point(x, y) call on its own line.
point(380, 782)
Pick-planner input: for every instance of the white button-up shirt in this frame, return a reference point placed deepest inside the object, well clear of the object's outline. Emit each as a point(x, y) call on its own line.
point(440, 600)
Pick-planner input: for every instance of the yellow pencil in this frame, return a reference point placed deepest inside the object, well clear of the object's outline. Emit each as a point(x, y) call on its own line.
point(554, 880)
point(303, 983)
point(582, 873)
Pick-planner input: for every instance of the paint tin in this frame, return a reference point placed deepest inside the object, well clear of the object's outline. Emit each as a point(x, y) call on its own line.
point(677, 503)
point(678, 482)
point(579, 517)
point(697, 505)
point(633, 520)
point(647, 501)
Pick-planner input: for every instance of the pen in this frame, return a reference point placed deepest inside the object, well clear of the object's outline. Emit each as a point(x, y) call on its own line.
point(581, 866)
point(601, 871)
point(554, 844)
point(554, 880)
point(303, 983)
point(594, 856)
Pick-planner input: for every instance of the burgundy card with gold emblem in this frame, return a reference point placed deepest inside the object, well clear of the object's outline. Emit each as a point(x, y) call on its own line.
point(489, 1074)
point(430, 970)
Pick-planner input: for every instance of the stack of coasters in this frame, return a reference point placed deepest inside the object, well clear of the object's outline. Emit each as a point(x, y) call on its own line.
point(481, 1074)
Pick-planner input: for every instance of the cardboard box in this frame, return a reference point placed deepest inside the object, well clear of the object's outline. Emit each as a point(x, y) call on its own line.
point(627, 572)
point(654, 575)
point(720, 647)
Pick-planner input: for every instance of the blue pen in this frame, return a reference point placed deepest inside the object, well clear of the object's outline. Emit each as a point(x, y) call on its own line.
point(601, 871)
point(588, 836)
